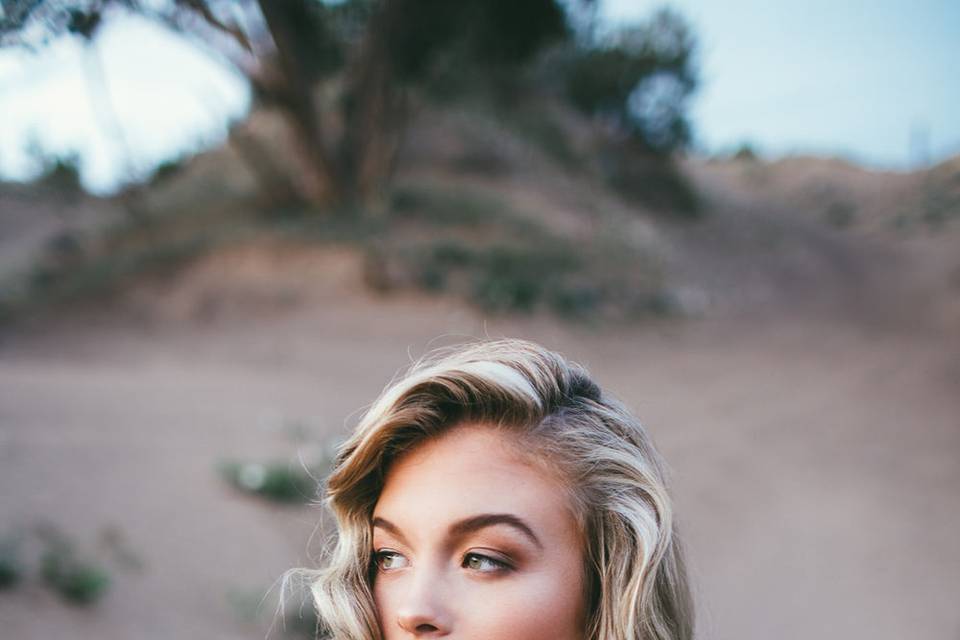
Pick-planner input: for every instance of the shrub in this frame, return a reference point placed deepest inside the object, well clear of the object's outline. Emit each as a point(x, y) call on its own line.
point(517, 278)
point(841, 214)
point(541, 129)
point(58, 172)
point(76, 580)
point(652, 181)
point(640, 81)
point(745, 153)
point(275, 481)
point(11, 566)
point(443, 207)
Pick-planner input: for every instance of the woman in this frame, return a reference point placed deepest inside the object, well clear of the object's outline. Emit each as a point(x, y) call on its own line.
point(495, 492)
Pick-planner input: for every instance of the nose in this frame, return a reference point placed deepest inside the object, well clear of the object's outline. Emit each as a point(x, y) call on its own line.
point(421, 626)
point(422, 612)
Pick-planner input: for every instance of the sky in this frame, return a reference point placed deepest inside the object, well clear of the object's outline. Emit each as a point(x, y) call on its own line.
point(874, 82)
point(170, 98)
point(877, 81)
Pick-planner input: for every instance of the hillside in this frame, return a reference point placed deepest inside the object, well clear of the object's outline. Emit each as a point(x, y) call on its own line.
point(487, 209)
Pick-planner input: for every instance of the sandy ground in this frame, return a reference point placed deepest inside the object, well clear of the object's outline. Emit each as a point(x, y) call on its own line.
point(815, 444)
point(815, 460)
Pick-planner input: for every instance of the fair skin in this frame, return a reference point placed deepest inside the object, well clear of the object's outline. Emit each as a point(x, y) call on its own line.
point(470, 542)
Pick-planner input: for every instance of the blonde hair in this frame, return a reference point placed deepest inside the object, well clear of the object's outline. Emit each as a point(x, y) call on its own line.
point(636, 577)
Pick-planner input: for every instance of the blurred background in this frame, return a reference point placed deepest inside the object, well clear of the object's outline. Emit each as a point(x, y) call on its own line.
point(226, 225)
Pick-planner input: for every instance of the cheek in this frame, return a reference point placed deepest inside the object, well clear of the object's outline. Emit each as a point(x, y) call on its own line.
point(544, 605)
point(538, 607)
point(383, 601)
point(389, 600)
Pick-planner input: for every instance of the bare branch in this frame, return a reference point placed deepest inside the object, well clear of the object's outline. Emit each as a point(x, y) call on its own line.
point(202, 9)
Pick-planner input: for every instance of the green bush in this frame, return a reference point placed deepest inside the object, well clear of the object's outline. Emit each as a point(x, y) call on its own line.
point(302, 622)
point(575, 301)
point(517, 278)
point(745, 153)
point(63, 173)
point(11, 565)
point(538, 127)
point(60, 172)
point(76, 580)
point(276, 481)
point(503, 260)
point(652, 181)
point(443, 207)
point(640, 81)
point(841, 214)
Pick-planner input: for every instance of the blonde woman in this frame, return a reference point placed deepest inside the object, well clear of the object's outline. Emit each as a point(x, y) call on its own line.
point(495, 492)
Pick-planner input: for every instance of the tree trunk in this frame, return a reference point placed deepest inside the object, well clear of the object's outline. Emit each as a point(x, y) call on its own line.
point(320, 181)
point(374, 113)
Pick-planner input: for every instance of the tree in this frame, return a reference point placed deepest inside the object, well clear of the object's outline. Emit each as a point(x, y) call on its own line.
point(640, 81)
point(370, 51)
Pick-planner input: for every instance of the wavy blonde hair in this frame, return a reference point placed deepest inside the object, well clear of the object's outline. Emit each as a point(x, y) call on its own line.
point(636, 577)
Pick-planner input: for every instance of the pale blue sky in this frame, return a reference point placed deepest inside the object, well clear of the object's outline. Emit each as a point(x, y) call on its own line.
point(169, 98)
point(852, 78)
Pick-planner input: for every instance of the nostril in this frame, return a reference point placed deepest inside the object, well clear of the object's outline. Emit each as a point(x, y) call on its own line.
point(423, 623)
point(426, 628)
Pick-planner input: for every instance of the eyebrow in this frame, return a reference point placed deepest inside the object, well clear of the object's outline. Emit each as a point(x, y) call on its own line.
point(471, 525)
point(484, 520)
point(390, 528)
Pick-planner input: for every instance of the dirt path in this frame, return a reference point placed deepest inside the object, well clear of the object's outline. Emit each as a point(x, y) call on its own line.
point(816, 462)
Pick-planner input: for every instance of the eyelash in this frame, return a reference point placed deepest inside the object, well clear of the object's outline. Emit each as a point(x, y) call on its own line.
point(381, 554)
point(499, 566)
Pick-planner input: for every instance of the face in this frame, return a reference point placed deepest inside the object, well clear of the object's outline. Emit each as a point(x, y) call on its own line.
point(471, 542)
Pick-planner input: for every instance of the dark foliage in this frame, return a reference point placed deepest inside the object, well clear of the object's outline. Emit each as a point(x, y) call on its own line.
point(487, 32)
point(640, 82)
point(341, 73)
point(78, 581)
point(278, 482)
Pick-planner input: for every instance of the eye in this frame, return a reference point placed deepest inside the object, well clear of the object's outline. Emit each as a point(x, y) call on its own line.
point(387, 560)
point(484, 564)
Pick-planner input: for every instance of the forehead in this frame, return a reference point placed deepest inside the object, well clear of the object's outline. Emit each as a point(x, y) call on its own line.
point(471, 469)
